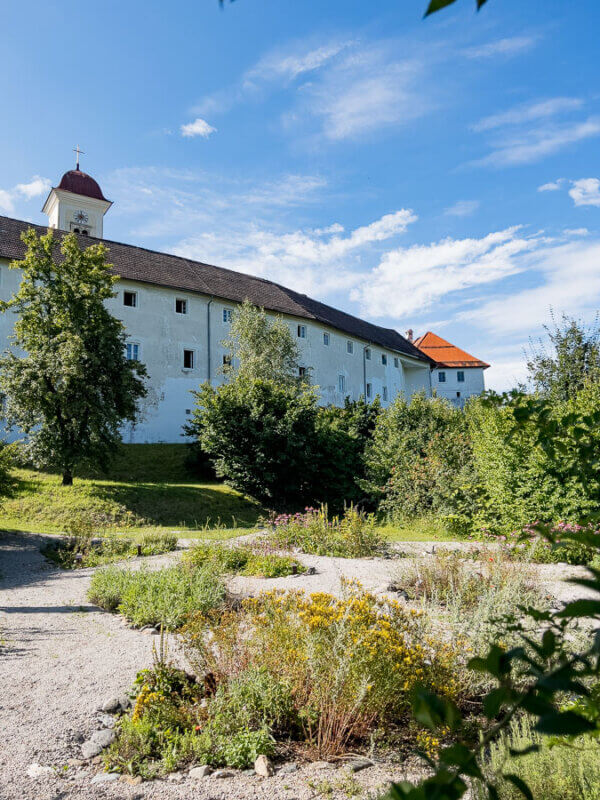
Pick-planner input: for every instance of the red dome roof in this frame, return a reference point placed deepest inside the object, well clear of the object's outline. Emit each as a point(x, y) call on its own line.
point(80, 183)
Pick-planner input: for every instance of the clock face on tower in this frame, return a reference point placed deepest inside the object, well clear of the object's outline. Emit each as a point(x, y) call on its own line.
point(80, 216)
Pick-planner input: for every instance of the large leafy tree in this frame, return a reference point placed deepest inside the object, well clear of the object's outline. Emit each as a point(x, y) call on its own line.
point(67, 382)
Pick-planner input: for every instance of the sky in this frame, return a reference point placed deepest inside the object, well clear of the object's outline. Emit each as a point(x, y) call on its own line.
point(436, 174)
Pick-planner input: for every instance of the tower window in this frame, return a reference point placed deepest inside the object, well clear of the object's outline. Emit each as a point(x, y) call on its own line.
point(130, 299)
point(384, 359)
point(460, 376)
point(132, 351)
point(180, 305)
point(349, 347)
point(302, 331)
point(188, 359)
point(442, 377)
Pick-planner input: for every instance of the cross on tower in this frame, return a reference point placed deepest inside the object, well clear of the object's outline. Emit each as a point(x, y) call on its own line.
point(79, 152)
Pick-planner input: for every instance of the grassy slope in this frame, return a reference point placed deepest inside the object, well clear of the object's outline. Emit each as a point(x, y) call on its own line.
point(149, 488)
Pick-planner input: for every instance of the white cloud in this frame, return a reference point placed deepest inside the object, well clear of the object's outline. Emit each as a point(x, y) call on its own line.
point(529, 112)
point(199, 127)
point(289, 64)
point(533, 145)
point(34, 188)
point(576, 232)
point(552, 186)
point(502, 47)
point(288, 190)
point(585, 192)
point(463, 208)
point(416, 277)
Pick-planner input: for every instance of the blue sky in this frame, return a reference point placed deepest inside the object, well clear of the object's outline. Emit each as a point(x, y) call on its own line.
point(435, 174)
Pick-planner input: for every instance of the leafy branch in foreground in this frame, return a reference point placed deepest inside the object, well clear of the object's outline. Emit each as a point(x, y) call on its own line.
point(437, 5)
point(536, 678)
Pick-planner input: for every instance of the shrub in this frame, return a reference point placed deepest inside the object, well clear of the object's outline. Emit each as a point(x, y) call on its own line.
point(338, 667)
point(557, 551)
point(558, 771)
point(85, 550)
point(353, 535)
point(163, 597)
point(254, 560)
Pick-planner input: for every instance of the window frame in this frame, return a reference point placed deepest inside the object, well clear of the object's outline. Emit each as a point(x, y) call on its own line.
point(326, 338)
point(442, 376)
point(302, 372)
point(191, 351)
point(349, 347)
point(185, 305)
point(367, 353)
point(384, 394)
point(384, 359)
point(460, 376)
point(369, 390)
point(133, 294)
point(227, 315)
point(341, 384)
point(139, 350)
point(396, 362)
point(301, 331)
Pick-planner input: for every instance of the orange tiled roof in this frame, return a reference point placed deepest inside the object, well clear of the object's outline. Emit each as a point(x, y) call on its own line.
point(446, 354)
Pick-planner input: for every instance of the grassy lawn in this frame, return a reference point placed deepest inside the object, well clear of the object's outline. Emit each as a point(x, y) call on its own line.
point(426, 529)
point(149, 488)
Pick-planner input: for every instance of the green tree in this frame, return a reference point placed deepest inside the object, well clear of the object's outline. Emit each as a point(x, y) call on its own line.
point(559, 367)
point(437, 5)
point(67, 382)
point(261, 348)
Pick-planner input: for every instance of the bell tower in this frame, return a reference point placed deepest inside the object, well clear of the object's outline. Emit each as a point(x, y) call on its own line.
point(77, 204)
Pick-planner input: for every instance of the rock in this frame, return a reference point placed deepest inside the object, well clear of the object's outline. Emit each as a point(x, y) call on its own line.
point(97, 760)
point(175, 777)
point(200, 772)
point(131, 780)
point(287, 769)
point(311, 571)
point(111, 705)
point(75, 762)
point(106, 720)
point(249, 773)
point(90, 749)
point(263, 767)
point(124, 702)
point(223, 773)
point(322, 765)
point(103, 737)
point(359, 764)
point(38, 771)
point(105, 777)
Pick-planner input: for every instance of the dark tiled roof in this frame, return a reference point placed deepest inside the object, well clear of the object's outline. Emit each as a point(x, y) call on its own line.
point(160, 269)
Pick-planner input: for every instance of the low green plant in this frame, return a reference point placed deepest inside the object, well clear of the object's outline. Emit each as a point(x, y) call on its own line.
point(161, 597)
point(86, 550)
point(252, 560)
point(352, 535)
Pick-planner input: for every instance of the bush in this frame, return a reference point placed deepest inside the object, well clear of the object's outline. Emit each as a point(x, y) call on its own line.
point(255, 560)
point(323, 669)
point(557, 551)
point(105, 549)
point(163, 597)
point(558, 771)
point(353, 535)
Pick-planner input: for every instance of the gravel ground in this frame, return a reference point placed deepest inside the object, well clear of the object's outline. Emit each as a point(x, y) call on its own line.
point(61, 658)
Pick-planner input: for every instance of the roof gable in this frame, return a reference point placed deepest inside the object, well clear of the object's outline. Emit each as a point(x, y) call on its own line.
point(175, 272)
point(446, 354)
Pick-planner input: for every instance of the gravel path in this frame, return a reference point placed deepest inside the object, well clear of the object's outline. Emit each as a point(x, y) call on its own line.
point(61, 657)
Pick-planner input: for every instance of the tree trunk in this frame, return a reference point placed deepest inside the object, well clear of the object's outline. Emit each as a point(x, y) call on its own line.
point(67, 479)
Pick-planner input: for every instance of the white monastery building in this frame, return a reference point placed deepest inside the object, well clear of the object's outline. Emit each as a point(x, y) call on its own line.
point(176, 313)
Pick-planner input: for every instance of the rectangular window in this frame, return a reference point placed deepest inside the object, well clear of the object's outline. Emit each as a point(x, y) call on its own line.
point(130, 299)
point(385, 394)
point(458, 394)
point(369, 390)
point(384, 359)
point(188, 359)
point(180, 305)
point(396, 362)
point(227, 314)
point(342, 383)
point(460, 376)
point(326, 338)
point(368, 353)
point(349, 347)
point(302, 372)
point(442, 377)
point(226, 361)
point(132, 351)
point(302, 331)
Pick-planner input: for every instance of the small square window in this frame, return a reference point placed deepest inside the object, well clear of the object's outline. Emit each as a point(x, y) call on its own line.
point(302, 331)
point(385, 393)
point(384, 359)
point(342, 383)
point(326, 338)
point(188, 411)
point(368, 353)
point(302, 372)
point(132, 351)
point(458, 394)
point(396, 362)
point(442, 377)
point(226, 361)
point(227, 314)
point(349, 347)
point(460, 376)
point(130, 299)
point(180, 305)
point(188, 359)
point(369, 390)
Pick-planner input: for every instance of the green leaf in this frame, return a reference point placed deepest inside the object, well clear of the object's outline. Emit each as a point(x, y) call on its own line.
point(493, 701)
point(437, 5)
point(457, 755)
point(566, 723)
point(433, 711)
point(520, 784)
